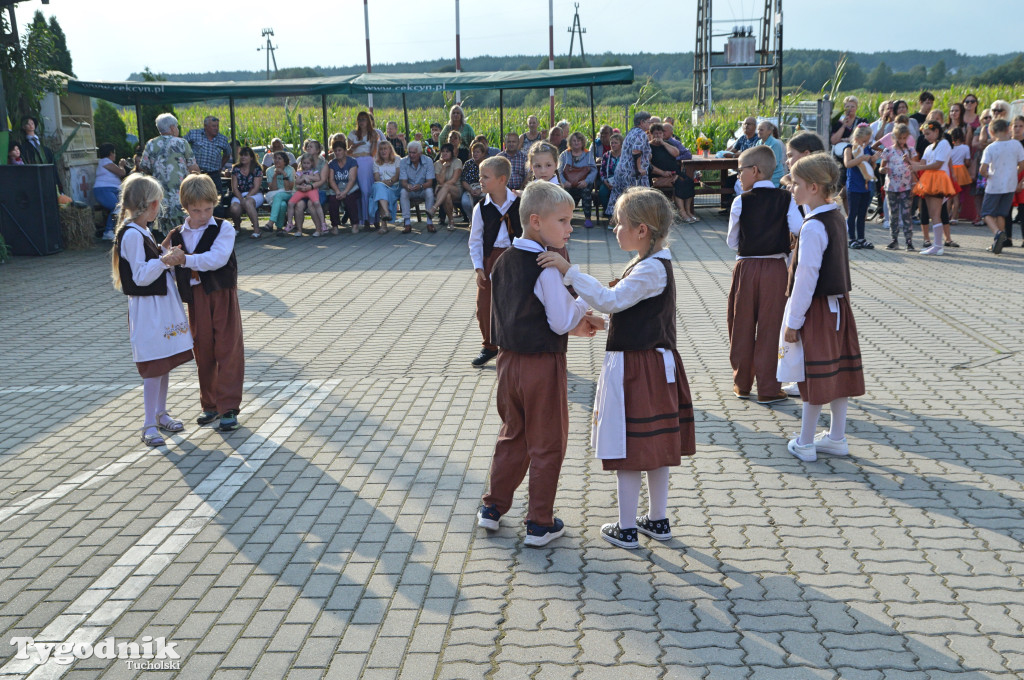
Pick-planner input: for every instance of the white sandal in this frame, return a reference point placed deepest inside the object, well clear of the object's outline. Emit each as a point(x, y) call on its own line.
point(170, 425)
point(151, 439)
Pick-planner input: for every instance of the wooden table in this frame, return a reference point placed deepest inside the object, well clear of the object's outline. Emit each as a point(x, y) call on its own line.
point(713, 185)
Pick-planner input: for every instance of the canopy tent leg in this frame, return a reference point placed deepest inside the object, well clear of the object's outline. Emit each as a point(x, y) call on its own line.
point(501, 118)
point(323, 110)
point(593, 118)
point(138, 123)
point(231, 108)
point(405, 112)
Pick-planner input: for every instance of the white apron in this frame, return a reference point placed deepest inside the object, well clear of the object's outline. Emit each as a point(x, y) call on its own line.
point(608, 432)
point(791, 356)
point(158, 324)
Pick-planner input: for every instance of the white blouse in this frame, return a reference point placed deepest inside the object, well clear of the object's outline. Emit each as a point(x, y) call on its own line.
point(563, 312)
point(646, 280)
point(813, 241)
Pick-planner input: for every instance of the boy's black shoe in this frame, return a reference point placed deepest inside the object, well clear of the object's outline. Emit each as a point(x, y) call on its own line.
point(229, 421)
point(893, 245)
point(998, 242)
point(487, 517)
point(537, 535)
point(624, 538)
point(910, 245)
point(485, 356)
point(207, 417)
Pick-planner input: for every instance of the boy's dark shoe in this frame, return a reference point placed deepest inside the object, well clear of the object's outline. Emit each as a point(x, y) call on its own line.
point(998, 242)
point(485, 356)
point(229, 421)
point(487, 517)
point(537, 535)
point(207, 417)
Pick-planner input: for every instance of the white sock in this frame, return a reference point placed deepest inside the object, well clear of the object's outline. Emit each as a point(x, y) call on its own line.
point(657, 489)
point(937, 239)
point(808, 423)
point(161, 406)
point(629, 497)
point(837, 428)
point(151, 399)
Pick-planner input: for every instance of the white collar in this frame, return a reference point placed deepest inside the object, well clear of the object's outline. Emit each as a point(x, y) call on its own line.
point(554, 180)
point(509, 197)
point(819, 210)
point(211, 223)
point(663, 254)
point(527, 244)
point(763, 184)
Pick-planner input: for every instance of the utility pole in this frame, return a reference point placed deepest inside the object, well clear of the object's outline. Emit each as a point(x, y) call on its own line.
point(458, 52)
point(576, 28)
point(551, 56)
point(366, 21)
point(268, 33)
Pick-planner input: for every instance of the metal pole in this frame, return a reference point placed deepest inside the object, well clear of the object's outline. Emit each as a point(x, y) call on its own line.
point(593, 118)
point(551, 56)
point(231, 108)
point(366, 20)
point(323, 110)
point(501, 118)
point(458, 52)
point(138, 122)
point(405, 112)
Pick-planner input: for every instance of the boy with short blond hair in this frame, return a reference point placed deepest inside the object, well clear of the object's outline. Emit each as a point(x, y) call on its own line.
point(532, 314)
point(760, 224)
point(1001, 161)
point(208, 283)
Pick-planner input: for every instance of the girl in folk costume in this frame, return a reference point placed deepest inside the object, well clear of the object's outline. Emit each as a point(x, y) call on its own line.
point(157, 324)
point(934, 184)
point(542, 162)
point(643, 414)
point(818, 318)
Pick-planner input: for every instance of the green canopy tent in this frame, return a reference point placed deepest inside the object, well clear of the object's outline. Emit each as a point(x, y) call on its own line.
point(154, 92)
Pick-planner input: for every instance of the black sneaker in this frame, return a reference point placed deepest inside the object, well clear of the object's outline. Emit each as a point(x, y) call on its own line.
point(893, 245)
point(484, 356)
point(952, 244)
point(537, 535)
point(487, 517)
point(229, 421)
point(927, 243)
point(207, 417)
point(910, 245)
point(1008, 244)
point(998, 241)
point(624, 538)
point(656, 529)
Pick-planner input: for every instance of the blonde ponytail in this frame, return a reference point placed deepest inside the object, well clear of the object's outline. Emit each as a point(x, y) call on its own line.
point(137, 193)
point(643, 205)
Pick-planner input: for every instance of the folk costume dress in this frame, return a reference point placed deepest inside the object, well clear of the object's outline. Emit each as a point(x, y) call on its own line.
point(157, 324)
point(819, 305)
point(643, 414)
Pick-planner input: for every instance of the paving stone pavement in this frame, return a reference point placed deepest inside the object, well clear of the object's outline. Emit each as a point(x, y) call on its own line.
point(334, 536)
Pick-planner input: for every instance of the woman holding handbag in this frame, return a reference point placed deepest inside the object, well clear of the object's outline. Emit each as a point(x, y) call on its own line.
point(578, 171)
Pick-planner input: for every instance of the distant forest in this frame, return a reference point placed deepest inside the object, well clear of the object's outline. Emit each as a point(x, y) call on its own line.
point(672, 74)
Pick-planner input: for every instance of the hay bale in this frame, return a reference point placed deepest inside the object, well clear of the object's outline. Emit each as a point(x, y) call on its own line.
point(76, 227)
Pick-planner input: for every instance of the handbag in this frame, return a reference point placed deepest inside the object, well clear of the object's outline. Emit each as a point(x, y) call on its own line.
point(573, 174)
point(663, 181)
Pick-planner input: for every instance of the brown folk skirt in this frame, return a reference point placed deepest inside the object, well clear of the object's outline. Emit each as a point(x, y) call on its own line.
point(832, 364)
point(659, 414)
point(158, 367)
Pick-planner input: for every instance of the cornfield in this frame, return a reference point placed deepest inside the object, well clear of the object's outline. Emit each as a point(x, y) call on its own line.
point(258, 124)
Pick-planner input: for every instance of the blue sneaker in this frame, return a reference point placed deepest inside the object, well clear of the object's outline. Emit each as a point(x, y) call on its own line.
point(537, 535)
point(229, 421)
point(207, 417)
point(487, 517)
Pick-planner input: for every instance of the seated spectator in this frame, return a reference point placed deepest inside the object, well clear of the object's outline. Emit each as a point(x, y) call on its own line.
point(665, 174)
point(517, 158)
point(843, 127)
point(393, 137)
point(107, 186)
point(578, 171)
point(433, 144)
point(342, 176)
point(531, 135)
point(557, 139)
point(601, 144)
point(246, 184)
point(491, 150)
point(457, 123)
point(281, 180)
point(14, 154)
point(417, 179)
point(212, 149)
point(447, 174)
point(566, 128)
point(276, 145)
point(606, 169)
point(745, 141)
point(386, 188)
point(308, 180)
point(673, 142)
point(471, 190)
point(768, 135)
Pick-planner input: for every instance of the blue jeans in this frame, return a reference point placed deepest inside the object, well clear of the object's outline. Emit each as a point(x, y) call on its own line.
point(859, 202)
point(107, 197)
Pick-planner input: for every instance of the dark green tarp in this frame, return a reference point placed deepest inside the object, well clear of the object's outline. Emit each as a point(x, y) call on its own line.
point(132, 92)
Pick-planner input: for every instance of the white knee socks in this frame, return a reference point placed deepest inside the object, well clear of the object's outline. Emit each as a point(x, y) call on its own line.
point(808, 423)
point(809, 420)
point(657, 489)
point(837, 428)
point(151, 398)
point(629, 497)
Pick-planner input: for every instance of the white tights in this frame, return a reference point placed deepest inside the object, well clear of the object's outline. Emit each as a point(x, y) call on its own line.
point(809, 421)
point(629, 495)
point(154, 397)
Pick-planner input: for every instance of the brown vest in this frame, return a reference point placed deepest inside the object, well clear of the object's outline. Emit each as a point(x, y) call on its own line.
point(648, 324)
point(518, 320)
point(218, 279)
point(764, 223)
point(494, 222)
point(128, 285)
point(834, 275)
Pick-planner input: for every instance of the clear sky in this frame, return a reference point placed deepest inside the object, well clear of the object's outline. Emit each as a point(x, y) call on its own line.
point(109, 39)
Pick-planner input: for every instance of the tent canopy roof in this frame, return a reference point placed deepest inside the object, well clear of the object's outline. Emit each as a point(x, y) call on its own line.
point(157, 92)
